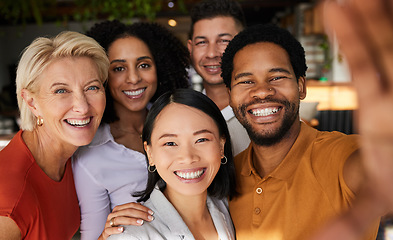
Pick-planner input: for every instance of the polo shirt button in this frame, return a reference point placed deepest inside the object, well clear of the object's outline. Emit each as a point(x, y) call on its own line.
point(257, 211)
point(259, 190)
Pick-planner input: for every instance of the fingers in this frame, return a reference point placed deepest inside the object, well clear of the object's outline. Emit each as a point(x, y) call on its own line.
point(342, 23)
point(110, 231)
point(129, 214)
point(377, 22)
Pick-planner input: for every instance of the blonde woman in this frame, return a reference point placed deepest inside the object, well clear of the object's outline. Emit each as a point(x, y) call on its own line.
point(61, 97)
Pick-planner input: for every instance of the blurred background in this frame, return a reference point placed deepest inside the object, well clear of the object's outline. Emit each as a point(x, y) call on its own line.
point(330, 103)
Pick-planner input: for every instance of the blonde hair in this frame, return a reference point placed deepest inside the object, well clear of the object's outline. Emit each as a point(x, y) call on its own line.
point(41, 53)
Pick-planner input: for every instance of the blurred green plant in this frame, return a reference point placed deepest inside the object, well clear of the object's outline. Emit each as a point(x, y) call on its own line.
point(22, 11)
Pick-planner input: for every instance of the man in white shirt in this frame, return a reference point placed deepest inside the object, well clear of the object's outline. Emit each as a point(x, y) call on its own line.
point(213, 25)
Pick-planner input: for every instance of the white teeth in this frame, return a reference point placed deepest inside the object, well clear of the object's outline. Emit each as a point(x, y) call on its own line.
point(215, 67)
point(190, 175)
point(79, 123)
point(264, 112)
point(134, 93)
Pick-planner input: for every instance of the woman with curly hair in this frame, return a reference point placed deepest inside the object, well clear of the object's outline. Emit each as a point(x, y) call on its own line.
point(146, 60)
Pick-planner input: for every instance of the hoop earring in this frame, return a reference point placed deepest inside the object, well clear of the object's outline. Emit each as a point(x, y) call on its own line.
point(149, 168)
point(40, 121)
point(225, 160)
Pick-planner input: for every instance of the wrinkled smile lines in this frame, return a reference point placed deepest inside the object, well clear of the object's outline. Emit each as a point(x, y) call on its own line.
point(135, 92)
point(188, 175)
point(79, 123)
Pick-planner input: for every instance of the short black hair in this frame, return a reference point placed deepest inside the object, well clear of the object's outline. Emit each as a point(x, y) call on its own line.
point(264, 33)
point(209, 9)
point(170, 55)
point(224, 182)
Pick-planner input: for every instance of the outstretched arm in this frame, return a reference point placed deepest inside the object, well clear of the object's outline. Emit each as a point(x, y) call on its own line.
point(364, 30)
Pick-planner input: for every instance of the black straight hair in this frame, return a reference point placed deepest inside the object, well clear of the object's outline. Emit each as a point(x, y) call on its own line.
point(223, 184)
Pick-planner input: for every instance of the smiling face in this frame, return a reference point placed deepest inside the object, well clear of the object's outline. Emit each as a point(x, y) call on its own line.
point(264, 92)
point(186, 150)
point(132, 74)
point(70, 102)
point(211, 37)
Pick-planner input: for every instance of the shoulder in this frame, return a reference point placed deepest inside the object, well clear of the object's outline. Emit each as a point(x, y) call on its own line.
point(146, 231)
point(16, 162)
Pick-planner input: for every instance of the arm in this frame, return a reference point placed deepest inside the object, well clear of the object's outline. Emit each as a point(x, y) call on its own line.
point(94, 202)
point(8, 229)
point(364, 30)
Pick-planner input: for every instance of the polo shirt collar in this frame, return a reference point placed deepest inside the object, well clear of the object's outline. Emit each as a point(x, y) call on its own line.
point(291, 161)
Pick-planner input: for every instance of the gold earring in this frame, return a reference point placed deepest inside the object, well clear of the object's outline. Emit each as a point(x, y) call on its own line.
point(151, 170)
point(40, 121)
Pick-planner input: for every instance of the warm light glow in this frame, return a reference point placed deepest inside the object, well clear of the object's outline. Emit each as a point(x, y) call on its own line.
point(172, 22)
point(333, 97)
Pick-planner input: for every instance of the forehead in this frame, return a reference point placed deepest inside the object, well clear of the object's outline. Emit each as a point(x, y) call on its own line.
point(177, 118)
point(215, 26)
point(128, 45)
point(261, 54)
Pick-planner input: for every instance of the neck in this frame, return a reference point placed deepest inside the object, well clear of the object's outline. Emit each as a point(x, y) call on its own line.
point(218, 93)
point(53, 161)
point(194, 212)
point(191, 208)
point(127, 130)
point(267, 158)
point(130, 122)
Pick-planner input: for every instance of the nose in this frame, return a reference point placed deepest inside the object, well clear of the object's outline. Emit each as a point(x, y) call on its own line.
point(188, 154)
point(80, 103)
point(133, 77)
point(262, 91)
point(213, 51)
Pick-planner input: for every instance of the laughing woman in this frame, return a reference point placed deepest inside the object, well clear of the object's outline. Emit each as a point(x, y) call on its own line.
point(191, 170)
point(146, 60)
point(61, 100)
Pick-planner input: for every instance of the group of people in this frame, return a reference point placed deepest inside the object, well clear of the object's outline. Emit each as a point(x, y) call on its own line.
point(115, 142)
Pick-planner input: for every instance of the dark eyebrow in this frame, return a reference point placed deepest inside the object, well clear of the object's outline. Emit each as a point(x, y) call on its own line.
point(167, 135)
point(195, 133)
point(240, 75)
point(202, 131)
point(273, 70)
point(143, 58)
point(138, 59)
point(118, 60)
point(219, 35)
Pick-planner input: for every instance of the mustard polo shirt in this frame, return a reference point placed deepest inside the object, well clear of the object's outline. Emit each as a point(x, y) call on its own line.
point(300, 195)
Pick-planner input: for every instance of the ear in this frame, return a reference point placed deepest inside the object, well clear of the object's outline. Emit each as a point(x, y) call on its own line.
point(29, 98)
point(302, 88)
point(189, 45)
point(148, 152)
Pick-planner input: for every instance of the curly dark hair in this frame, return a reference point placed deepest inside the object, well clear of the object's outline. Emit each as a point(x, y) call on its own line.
point(264, 33)
point(209, 9)
point(170, 55)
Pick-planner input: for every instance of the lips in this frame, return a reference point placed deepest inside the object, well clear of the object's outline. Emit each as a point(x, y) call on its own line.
point(190, 175)
point(78, 123)
point(134, 93)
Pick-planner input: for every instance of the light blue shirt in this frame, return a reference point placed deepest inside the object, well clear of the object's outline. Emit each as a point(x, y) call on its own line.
point(106, 174)
point(168, 224)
